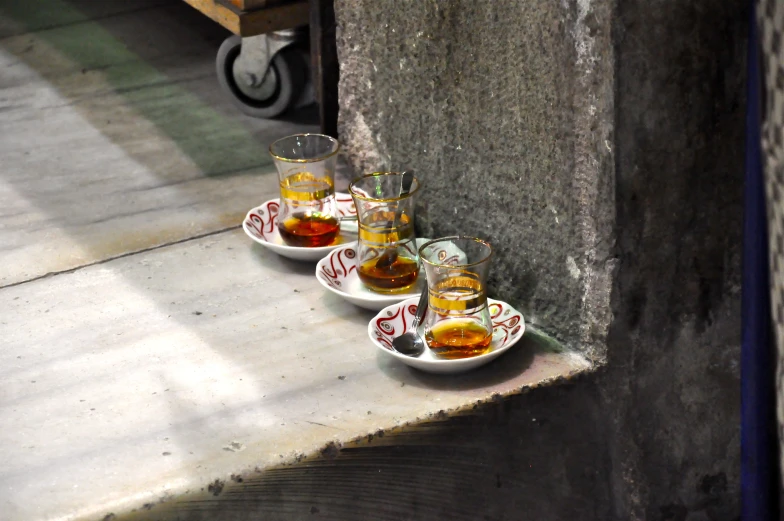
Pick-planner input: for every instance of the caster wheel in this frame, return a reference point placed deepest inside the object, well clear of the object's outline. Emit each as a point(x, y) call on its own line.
point(266, 97)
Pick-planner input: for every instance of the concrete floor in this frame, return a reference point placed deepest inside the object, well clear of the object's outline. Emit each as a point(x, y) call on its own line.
point(114, 122)
point(142, 357)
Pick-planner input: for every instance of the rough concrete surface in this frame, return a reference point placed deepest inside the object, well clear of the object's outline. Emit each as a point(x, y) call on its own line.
point(504, 111)
point(419, 84)
point(223, 378)
point(673, 377)
point(520, 458)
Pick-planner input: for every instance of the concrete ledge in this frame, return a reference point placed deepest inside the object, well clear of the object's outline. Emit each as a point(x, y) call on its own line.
point(157, 377)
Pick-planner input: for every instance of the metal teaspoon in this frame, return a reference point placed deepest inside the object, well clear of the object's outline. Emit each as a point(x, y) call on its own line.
point(411, 342)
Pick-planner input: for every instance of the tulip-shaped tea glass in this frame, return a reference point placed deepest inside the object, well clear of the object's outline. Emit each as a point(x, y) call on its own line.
point(457, 322)
point(308, 214)
point(387, 259)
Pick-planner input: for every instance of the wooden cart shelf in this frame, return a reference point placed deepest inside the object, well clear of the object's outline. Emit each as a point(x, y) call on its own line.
point(253, 17)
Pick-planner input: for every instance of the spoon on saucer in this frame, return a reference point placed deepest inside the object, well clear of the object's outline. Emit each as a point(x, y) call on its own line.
point(411, 343)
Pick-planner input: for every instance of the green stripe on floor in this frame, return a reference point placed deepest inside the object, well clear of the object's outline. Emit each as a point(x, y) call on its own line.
point(217, 144)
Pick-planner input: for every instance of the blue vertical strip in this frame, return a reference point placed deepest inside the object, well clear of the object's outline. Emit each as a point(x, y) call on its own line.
point(759, 454)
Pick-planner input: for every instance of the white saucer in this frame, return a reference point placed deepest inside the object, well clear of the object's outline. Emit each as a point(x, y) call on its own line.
point(392, 321)
point(338, 273)
point(261, 225)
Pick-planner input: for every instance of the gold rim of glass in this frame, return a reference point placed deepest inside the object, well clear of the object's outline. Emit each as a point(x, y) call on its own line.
point(290, 160)
point(456, 238)
point(377, 199)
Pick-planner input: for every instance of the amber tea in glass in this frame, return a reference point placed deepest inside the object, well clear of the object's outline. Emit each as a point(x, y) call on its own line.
point(457, 323)
point(387, 259)
point(308, 214)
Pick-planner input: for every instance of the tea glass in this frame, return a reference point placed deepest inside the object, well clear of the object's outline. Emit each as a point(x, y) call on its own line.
point(387, 259)
point(457, 323)
point(308, 215)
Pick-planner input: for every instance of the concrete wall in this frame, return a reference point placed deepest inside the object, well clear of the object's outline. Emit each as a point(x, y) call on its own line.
point(504, 110)
point(673, 375)
point(625, 123)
